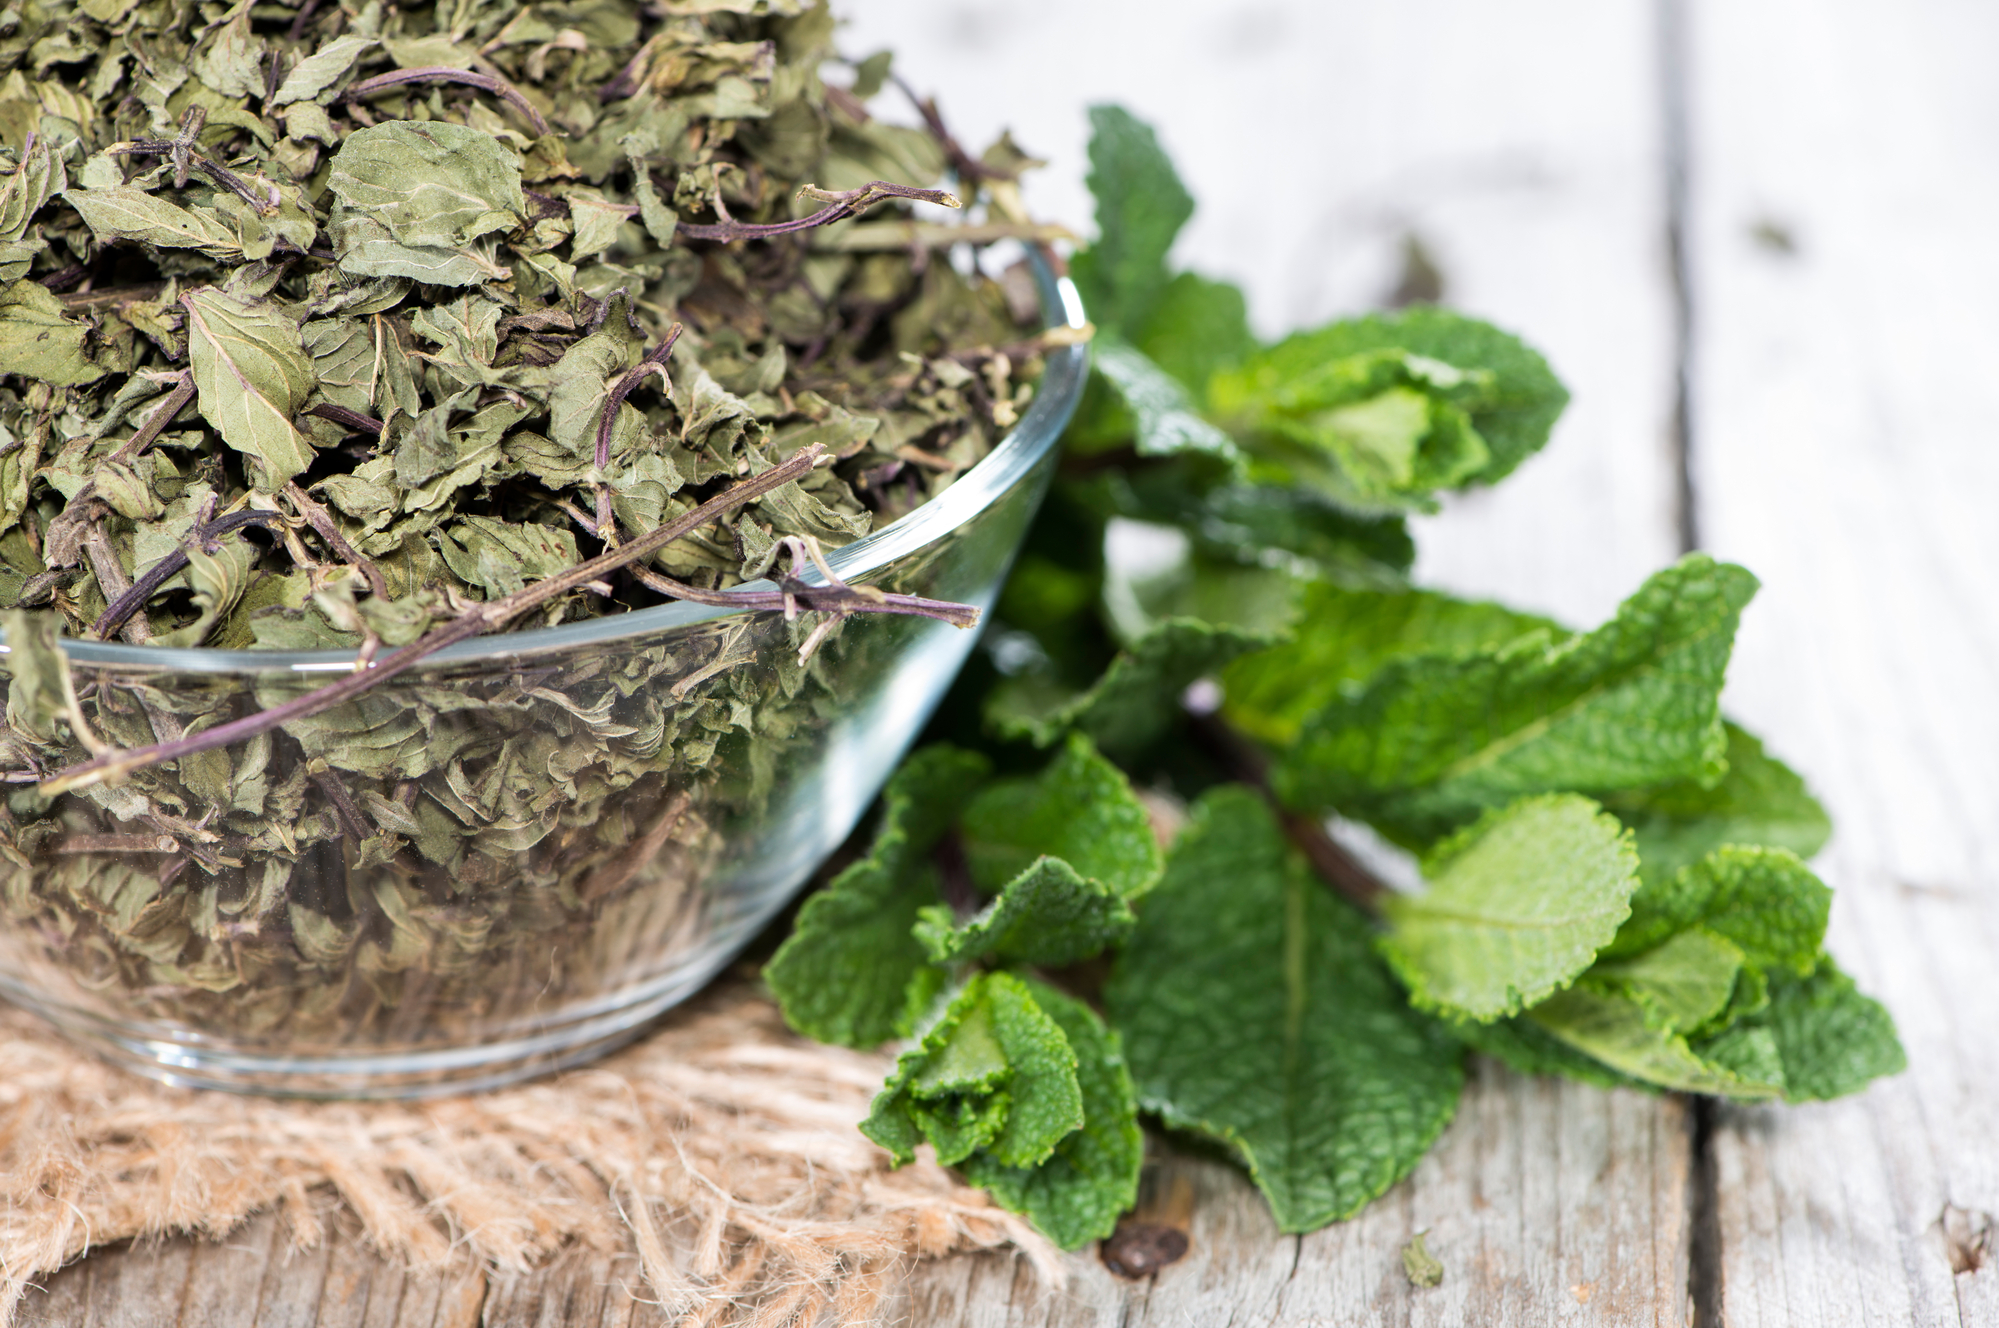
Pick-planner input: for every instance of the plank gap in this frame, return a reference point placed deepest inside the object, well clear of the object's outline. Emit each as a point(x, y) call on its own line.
point(1704, 1217)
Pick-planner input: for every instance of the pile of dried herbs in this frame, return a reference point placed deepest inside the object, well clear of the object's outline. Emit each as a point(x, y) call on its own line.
point(1614, 878)
point(348, 326)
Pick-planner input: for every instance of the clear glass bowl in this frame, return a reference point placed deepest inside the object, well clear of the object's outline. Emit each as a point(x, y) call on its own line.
point(442, 960)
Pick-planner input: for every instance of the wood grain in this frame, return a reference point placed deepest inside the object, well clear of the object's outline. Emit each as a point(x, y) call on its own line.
point(254, 1279)
point(1845, 280)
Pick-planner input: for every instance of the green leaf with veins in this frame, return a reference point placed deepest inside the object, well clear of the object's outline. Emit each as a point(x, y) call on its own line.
point(1137, 700)
point(1610, 1026)
point(1079, 808)
point(429, 183)
point(1141, 206)
point(1077, 1194)
point(1432, 741)
point(39, 689)
point(1832, 1039)
point(1765, 900)
point(1518, 397)
point(218, 581)
point(1683, 985)
point(321, 69)
point(1254, 1010)
point(993, 1075)
point(39, 340)
point(121, 212)
point(1342, 637)
point(251, 377)
point(1379, 430)
point(1759, 801)
point(1049, 914)
point(38, 176)
point(1197, 327)
point(844, 973)
point(1517, 906)
point(1525, 1046)
point(1164, 419)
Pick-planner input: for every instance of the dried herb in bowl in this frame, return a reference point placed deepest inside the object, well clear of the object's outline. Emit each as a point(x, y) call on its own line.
point(338, 328)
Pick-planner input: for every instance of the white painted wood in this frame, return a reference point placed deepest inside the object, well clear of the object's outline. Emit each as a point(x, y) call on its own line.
point(1522, 142)
point(1848, 449)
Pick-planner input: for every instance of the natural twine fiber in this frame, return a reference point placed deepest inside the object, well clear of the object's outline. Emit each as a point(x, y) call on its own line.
point(721, 1149)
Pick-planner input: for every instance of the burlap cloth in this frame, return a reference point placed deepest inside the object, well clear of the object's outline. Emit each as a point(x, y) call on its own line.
point(721, 1149)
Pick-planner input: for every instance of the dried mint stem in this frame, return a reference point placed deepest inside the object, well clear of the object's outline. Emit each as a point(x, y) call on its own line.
point(114, 765)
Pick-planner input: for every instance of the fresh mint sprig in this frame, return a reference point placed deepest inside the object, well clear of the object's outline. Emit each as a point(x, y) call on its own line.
point(1615, 888)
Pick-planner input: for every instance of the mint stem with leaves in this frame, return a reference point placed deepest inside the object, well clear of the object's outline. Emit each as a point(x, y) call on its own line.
point(1330, 862)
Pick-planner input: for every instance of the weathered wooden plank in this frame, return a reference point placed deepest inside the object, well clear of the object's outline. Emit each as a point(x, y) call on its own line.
point(580, 1290)
point(139, 1285)
point(1547, 1202)
point(1845, 400)
point(253, 1278)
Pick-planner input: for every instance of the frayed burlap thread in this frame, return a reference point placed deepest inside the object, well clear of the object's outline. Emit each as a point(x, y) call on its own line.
point(721, 1150)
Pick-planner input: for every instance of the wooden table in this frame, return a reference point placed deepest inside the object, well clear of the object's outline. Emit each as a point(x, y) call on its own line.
point(1765, 228)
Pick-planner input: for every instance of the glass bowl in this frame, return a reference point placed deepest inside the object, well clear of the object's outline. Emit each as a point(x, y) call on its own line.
point(458, 936)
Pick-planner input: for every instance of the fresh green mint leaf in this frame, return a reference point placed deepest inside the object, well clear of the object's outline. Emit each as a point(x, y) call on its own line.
point(1197, 327)
point(1254, 1010)
point(994, 1074)
point(1077, 1194)
point(1244, 524)
point(1380, 430)
point(1141, 206)
point(1343, 636)
point(1765, 900)
point(1610, 1026)
point(1683, 985)
point(1221, 592)
point(1759, 801)
point(1164, 420)
point(1515, 406)
point(1079, 808)
point(844, 973)
point(1432, 741)
point(1138, 698)
point(1046, 915)
point(1517, 906)
point(1525, 1046)
point(1833, 1040)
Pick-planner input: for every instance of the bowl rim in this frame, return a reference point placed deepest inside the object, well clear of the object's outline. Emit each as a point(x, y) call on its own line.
point(1016, 454)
